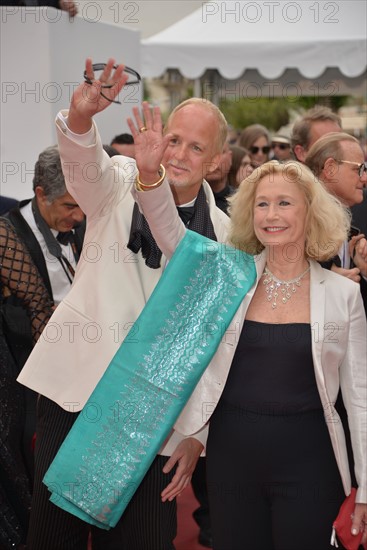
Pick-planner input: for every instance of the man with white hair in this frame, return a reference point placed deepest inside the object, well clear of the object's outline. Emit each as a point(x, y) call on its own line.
point(128, 266)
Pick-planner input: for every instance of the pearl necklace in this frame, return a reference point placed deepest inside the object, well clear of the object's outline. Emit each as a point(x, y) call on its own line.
point(273, 285)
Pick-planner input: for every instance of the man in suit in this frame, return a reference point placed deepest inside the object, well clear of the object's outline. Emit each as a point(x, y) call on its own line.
point(51, 224)
point(122, 264)
point(52, 227)
point(52, 214)
point(337, 160)
point(314, 124)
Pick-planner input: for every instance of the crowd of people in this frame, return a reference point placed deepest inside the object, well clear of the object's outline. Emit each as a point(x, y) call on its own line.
point(273, 437)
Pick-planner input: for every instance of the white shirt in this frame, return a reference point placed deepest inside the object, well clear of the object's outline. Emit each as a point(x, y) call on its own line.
point(60, 283)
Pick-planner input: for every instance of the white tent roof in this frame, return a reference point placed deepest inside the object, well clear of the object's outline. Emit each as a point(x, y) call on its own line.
point(270, 36)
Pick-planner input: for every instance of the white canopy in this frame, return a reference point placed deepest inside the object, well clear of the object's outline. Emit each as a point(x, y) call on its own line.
point(42, 58)
point(270, 36)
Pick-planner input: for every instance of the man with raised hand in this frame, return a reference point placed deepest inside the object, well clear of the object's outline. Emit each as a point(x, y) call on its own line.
point(119, 269)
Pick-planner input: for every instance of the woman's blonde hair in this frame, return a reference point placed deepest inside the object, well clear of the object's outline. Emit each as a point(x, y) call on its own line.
point(327, 221)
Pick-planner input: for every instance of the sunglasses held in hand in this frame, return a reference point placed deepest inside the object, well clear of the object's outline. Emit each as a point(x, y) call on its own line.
point(97, 67)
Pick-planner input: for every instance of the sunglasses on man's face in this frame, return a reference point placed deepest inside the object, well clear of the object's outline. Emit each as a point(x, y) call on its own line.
point(281, 146)
point(254, 150)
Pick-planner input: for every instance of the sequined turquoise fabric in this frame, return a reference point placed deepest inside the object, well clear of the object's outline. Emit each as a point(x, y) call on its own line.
point(148, 382)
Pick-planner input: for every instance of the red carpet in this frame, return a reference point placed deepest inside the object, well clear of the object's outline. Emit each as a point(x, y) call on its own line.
point(187, 529)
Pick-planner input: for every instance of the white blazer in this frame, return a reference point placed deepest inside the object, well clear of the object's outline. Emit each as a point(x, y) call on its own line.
point(111, 285)
point(339, 343)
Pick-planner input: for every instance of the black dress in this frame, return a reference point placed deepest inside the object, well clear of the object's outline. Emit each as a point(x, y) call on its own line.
point(273, 480)
point(18, 276)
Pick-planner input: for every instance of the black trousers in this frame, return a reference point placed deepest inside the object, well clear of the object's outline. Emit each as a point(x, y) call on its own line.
point(198, 482)
point(147, 523)
point(273, 481)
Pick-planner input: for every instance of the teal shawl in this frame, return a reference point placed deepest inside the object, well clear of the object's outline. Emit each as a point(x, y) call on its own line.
point(148, 382)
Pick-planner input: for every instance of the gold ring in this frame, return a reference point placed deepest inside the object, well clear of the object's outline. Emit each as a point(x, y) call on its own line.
point(143, 129)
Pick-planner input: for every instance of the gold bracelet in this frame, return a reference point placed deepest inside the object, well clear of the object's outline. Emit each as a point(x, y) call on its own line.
point(145, 186)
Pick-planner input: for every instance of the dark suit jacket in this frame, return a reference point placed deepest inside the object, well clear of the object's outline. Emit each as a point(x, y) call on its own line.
point(359, 219)
point(359, 214)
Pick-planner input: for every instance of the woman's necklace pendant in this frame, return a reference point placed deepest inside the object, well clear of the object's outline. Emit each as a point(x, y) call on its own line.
point(273, 285)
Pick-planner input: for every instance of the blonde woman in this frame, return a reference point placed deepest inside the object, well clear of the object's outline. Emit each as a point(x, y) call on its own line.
point(277, 461)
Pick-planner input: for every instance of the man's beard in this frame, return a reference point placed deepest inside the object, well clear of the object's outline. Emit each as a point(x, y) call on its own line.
point(183, 181)
point(177, 183)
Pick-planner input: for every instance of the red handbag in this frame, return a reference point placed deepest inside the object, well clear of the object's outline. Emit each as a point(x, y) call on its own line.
point(343, 524)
